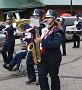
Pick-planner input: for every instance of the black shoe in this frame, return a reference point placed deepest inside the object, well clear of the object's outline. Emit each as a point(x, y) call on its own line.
point(16, 69)
point(74, 47)
point(38, 83)
point(77, 47)
point(64, 55)
point(30, 81)
point(7, 67)
point(5, 63)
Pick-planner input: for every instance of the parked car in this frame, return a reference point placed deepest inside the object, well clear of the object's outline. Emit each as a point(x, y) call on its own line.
point(69, 21)
point(2, 39)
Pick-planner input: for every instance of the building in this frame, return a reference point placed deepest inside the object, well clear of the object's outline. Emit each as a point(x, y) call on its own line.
point(18, 5)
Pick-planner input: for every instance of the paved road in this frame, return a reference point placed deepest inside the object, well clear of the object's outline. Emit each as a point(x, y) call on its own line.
point(70, 73)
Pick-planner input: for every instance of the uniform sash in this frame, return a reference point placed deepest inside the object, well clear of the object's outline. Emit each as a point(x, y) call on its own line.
point(45, 36)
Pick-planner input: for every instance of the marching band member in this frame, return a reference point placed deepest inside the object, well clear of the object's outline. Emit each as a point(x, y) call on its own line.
point(23, 52)
point(76, 35)
point(51, 57)
point(63, 27)
point(37, 14)
point(10, 41)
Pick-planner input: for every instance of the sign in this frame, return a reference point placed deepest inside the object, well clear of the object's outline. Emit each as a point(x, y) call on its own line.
point(35, 22)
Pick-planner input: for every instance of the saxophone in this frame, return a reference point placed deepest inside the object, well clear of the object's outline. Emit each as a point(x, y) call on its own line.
point(35, 48)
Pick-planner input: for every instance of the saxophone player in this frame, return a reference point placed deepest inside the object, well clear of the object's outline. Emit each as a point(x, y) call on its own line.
point(51, 58)
point(30, 64)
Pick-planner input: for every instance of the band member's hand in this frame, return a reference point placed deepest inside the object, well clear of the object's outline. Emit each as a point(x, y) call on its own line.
point(38, 39)
point(34, 27)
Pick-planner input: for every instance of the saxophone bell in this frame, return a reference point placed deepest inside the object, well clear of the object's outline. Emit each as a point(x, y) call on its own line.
point(30, 46)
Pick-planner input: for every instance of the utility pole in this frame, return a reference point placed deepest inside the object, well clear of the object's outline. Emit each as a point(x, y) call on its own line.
point(71, 6)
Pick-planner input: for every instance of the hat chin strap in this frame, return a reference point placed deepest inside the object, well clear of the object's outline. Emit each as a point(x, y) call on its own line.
point(52, 21)
point(51, 24)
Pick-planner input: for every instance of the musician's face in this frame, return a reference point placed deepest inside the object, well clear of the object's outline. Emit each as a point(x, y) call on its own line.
point(49, 20)
point(9, 21)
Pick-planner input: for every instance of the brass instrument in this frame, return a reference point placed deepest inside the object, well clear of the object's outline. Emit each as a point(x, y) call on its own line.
point(38, 51)
point(35, 48)
point(20, 23)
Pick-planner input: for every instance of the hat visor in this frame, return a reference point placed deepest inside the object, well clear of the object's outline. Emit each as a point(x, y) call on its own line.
point(48, 16)
point(35, 14)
